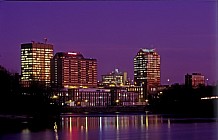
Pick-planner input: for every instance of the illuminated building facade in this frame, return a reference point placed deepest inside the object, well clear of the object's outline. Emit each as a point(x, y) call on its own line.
point(114, 79)
point(97, 97)
point(35, 63)
point(72, 70)
point(194, 79)
point(147, 70)
point(136, 89)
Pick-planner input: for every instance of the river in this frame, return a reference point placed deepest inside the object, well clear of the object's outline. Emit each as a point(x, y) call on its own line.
point(121, 127)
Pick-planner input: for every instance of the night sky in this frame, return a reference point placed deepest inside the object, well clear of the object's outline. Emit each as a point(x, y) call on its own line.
point(183, 33)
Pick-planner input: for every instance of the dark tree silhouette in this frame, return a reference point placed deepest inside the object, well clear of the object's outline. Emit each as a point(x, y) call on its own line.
point(183, 100)
point(18, 100)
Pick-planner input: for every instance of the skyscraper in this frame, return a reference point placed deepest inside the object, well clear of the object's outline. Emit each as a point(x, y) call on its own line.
point(72, 70)
point(35, 63)
point(147, 70)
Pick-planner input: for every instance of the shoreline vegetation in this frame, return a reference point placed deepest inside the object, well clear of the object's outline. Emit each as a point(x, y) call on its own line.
point(104, 109)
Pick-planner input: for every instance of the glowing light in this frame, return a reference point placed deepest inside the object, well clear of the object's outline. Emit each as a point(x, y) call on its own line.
point(86, 124)
point(209, 98)
point(55, 127)
point(146, 121)
point(54, 97)
point(71, 87)
point(168, 123)
point(100, 123)
point(25, 131)
point(148, 50)
point(72, 53)
point(117, 122)
point(70, 124)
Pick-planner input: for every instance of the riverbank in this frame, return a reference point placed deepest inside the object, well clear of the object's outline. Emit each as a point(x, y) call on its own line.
point(105, 109)
point(16, 122)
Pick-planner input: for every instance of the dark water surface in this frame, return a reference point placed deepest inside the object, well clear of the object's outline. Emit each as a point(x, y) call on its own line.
point(121, 127)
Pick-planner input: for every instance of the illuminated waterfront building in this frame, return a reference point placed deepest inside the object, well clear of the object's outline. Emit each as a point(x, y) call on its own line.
point(72, 70)
point(97, 97)
point(114, 79)
point(35, 63)
point(194, 79)
point(136, 89)
point(147, 70)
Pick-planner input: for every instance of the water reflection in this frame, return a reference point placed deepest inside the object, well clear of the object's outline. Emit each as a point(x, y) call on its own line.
point(79, 123)
point(56, 131)
point(116, 127)
point(84, 125)
point(125, 126)
point(25, 134)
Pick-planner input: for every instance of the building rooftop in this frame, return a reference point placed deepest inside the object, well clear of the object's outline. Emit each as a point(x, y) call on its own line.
point(148, 50)
point(115, 72)
point(68, 55)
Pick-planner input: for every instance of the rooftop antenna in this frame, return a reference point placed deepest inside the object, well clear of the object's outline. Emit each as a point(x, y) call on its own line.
point(45, 39)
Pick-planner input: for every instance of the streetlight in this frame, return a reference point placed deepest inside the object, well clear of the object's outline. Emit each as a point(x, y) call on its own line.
point(207, 81)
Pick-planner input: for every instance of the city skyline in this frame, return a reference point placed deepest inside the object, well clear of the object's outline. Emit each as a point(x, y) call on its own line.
point(184, 33)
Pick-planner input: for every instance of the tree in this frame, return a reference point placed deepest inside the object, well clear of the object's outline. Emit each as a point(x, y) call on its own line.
point(184, 100)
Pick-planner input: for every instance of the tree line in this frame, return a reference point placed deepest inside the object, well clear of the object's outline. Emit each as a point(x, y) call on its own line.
point(15, 99)
point(186, 100)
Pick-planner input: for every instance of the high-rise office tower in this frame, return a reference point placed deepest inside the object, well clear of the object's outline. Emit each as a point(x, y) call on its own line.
point(147, 70)
point(35, 63)
point(72, 70)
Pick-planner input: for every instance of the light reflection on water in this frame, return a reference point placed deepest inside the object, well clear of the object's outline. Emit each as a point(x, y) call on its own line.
point(116, 122)
point(117, 127)
point(133, 127)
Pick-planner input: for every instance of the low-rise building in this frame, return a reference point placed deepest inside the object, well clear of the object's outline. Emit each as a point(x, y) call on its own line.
point(97, 97)
point(114, 79)
point(194, 79)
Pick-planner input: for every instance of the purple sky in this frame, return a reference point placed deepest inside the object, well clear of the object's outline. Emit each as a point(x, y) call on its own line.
point(184, 33)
